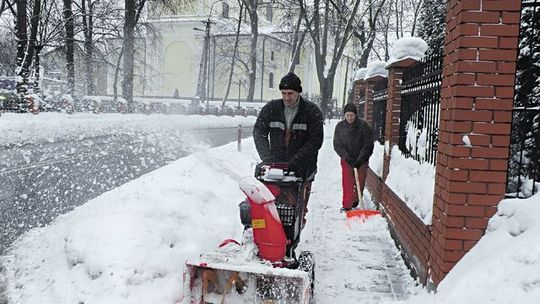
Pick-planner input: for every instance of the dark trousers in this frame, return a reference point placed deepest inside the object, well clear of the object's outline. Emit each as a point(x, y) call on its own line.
point(349, 185)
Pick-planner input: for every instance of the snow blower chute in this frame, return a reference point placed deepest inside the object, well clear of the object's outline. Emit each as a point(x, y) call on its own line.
point(264, 268)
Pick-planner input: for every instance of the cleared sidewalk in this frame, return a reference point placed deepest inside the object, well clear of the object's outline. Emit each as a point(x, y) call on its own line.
point(357, 262)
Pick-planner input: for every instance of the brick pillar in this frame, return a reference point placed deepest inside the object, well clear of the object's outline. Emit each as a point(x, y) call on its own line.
point(369, 86)
point(476, 100)
point(368, 93)
point(358, 86)
point(393, 108)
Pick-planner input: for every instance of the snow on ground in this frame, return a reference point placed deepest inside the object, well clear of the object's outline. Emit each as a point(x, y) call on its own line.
point(503, 267)
point(129, 245)
point(21, 128)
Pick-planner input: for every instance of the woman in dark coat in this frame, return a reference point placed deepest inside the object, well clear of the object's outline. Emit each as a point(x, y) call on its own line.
point(353, 142)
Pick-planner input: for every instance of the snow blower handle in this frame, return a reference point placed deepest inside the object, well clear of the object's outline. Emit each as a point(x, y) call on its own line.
point(358, 189)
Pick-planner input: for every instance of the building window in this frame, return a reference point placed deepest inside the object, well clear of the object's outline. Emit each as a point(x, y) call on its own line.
point(269, 12)
point(271, 80)
point(272, 55)
point(225, 10)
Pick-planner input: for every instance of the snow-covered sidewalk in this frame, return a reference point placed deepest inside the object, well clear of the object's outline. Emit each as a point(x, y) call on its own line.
point(357, 262)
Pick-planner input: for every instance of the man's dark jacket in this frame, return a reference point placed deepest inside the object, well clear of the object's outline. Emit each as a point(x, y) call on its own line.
point(305, 140)
point(354, 141)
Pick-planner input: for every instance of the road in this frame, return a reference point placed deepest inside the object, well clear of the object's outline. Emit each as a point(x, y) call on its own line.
point(41, 181)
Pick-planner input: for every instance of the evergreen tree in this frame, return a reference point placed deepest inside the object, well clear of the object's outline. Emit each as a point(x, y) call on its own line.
point(432, 24)
point(525, 141)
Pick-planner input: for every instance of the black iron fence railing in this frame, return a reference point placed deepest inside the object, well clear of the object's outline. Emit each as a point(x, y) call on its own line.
point(420, 107)
point(524, 162)
point(380, 95)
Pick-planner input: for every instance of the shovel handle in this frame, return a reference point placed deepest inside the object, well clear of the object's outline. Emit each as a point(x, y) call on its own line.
point(358, 190)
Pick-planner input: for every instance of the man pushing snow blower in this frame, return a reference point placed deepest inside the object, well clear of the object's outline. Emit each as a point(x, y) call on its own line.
point(290, 130)
point(264, 269)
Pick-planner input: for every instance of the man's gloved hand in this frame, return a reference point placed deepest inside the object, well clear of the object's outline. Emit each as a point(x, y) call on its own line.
point(268, 160)
point(350, 160)
point(296, 168)
point(358, 163)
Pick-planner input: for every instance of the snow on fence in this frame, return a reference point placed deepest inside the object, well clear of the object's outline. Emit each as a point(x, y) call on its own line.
point(420, 107)
point(524, 163)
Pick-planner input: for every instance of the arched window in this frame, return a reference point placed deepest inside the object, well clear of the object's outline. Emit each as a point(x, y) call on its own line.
point(271, 80)
point(224, 10)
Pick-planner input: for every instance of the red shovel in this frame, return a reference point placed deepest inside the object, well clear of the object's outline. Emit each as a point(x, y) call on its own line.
point(362, 212)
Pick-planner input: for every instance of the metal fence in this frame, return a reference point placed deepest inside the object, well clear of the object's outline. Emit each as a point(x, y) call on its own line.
point(380, 95)
point(420, 107)
point(524, 162)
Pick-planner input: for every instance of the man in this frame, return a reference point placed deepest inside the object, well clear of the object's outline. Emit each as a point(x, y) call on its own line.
point(290, 129)
point(353, 142)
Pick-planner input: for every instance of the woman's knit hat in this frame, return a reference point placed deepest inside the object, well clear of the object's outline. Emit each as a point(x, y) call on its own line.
point(350, 107)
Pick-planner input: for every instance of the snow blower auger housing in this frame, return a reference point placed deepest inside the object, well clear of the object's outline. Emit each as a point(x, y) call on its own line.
point(264, 268)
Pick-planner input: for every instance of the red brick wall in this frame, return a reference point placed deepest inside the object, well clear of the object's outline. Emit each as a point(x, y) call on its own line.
point(375, 186)
point(405, 226)
point(476, 100)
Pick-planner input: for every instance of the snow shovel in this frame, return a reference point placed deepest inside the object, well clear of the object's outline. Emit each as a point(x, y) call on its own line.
point(362, 212)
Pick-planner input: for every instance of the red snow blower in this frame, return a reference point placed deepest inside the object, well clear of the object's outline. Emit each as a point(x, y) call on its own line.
point(264, 268)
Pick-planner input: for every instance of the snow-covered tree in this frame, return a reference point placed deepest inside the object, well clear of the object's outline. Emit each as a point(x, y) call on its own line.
point(432, 24)
point(525, 144)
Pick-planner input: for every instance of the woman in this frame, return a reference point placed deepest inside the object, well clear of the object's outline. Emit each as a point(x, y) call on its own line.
point(353, 142)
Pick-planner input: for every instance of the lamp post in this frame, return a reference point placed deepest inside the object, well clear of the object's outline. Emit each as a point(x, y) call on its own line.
point(203, 86)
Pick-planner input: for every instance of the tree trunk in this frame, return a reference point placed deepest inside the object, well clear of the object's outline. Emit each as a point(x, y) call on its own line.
point(88, 29)
point(233, 59)
point(129, 51)
point(70, 46)
point(30, 46)
point(251, 6)
point(37, 70)
point(22, 42)
point(116, 72)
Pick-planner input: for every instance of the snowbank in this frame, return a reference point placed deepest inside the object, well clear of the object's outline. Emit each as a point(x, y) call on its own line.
point(377, 158)
point(413, 182)
point(504, 266)
point(129, 244)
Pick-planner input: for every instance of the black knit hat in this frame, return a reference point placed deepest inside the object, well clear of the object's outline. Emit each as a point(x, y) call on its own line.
point(290, 82)
point(350, 107)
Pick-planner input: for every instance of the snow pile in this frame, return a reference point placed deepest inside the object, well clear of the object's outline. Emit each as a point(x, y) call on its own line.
point(19, 128)
point(504, 266)
point(376, 68)
point(360, 74)
point(408, 47)
point(129, 244)
point(377, 158)
point(413, 182)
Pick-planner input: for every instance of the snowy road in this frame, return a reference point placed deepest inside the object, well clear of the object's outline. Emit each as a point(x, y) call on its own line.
point(40, 181)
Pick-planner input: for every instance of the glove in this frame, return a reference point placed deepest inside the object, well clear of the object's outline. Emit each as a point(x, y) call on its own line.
point(359, 162)
point(268, 160)
point(350, 160)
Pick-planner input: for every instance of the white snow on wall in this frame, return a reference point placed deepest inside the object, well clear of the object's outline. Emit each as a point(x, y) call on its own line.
point(360, 74)
point(408, 47)
point(376, 68)
point(377, 158)
point(413, 182)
